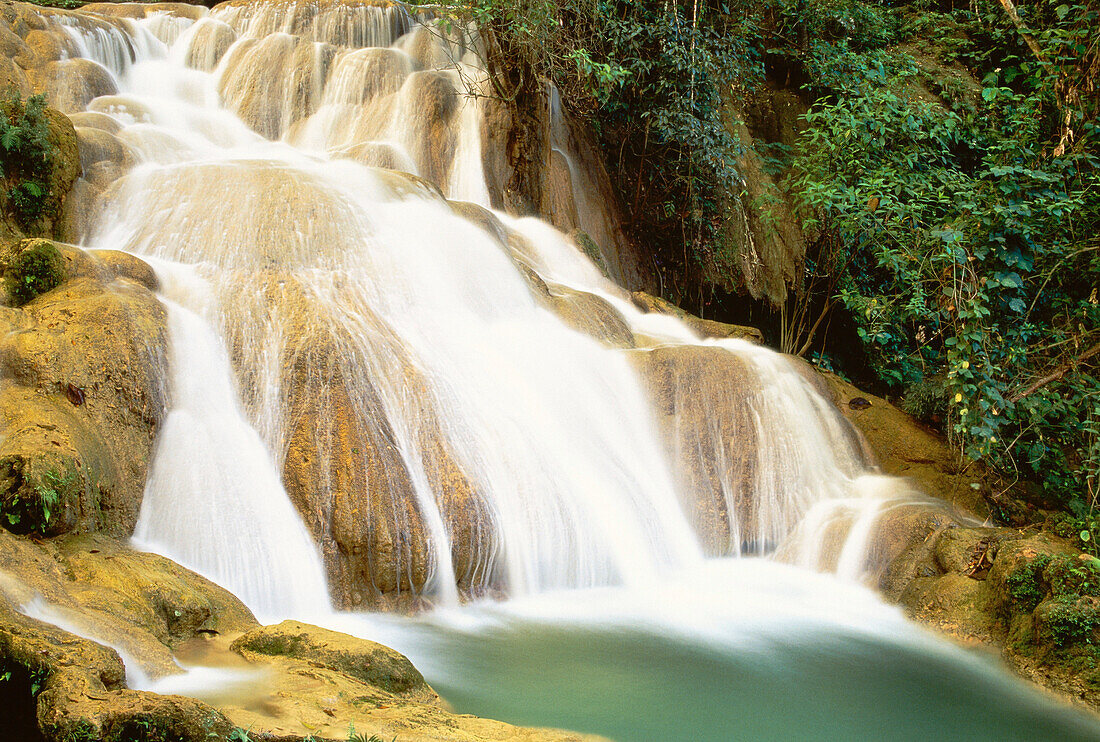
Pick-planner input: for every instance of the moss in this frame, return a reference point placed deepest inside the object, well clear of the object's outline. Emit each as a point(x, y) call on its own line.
point(589, 247)
point(1070, 578)
point(38, 268)
point(1068, 621)
point(1025, 583)
point(280, 645)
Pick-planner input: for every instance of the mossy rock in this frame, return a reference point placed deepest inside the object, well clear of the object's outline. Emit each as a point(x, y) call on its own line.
point(35, 268)
point(1068, 620)
point(589, 247)
point(40, 495)
point(368, 661)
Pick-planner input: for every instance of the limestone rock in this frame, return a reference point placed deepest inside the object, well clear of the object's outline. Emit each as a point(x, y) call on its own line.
point(345, 468)
point(364, 660)
point(141, 603)
point(592, 315)
point(700, 393)
point(87, 362)
point(905, 448)
point(323, 681)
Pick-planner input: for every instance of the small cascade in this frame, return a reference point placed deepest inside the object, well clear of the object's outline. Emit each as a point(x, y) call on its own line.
point(213, 500)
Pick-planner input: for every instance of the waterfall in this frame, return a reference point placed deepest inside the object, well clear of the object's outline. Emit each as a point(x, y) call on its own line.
point(377, 377)
point(386, 397)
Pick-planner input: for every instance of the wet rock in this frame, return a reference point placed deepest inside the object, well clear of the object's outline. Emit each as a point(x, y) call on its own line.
point(141, 603)
point(272, 103)
point(372, 663)
point(701, 395)
point(210, 42)
point(71, 84)
point(905, 448)
point(349, 472)
point(323, 681)
point(592, 315)
point(704, 327)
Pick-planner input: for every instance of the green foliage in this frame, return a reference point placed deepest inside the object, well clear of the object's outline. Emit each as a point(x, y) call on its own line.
point(1071, 621)
point(353, 736)
point(655, 78)
point(1025, 583)
point(965, 228)
point(1069, 577)
point(27, 155)
point(49, 490)
point(65, 4)
point(36, 270)
point(239, 735)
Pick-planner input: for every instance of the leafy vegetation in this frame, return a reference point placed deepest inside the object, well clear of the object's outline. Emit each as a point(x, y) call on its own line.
point(32, 507)
point(962, 224)
point(37, 269)
point(27, 155)
point(354, 736)
point(654, 79)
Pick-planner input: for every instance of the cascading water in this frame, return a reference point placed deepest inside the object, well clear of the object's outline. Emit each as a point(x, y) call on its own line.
point(362, 351)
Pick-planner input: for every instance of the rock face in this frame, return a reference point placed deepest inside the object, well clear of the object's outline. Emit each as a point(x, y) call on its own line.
point(1024, 593)
point(717, 463)
point(342, 466)
point(83, 397)
point(769, 246)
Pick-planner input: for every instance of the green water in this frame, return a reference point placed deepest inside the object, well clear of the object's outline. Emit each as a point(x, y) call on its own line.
point(750, 652)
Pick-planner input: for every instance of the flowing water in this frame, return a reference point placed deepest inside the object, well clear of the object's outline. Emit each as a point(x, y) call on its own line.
point(379, 392)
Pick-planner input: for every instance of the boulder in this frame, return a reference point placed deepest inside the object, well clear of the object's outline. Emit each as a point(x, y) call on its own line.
point(105, 595)
point(592, 315)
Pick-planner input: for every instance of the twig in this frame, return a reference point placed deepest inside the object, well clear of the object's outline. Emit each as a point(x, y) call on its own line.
point(1055, 374)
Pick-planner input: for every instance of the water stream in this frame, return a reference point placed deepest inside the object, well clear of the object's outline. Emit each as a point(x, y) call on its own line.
point(354, 355)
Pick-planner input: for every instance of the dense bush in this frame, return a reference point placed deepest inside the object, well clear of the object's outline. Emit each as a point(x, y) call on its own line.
point(966, 229)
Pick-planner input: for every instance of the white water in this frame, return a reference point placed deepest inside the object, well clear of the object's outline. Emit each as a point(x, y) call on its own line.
point(281, 252)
